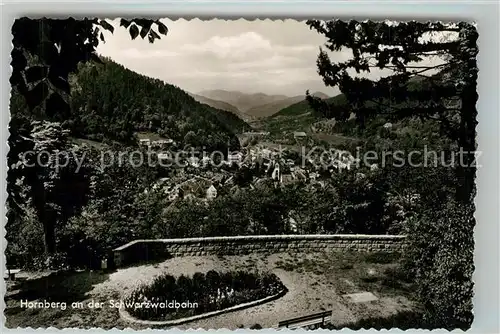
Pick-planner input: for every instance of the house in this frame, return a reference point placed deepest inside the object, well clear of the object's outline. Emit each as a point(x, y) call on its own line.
point(236, 157)
point(235, 190)
point(287, 179)
point(163, 156)
point(161, 143)
point(193, 161)
point(173, 194)
point(299, 135)
point(211, 192)
point(265, 153)
point(206, 161)
point(299, 175)
point(276, 173)
point(196, 186)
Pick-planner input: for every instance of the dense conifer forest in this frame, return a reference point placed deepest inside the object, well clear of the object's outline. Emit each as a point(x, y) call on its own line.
point(110, 102)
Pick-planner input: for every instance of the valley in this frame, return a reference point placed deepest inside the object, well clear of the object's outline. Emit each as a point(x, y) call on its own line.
point(250, 107)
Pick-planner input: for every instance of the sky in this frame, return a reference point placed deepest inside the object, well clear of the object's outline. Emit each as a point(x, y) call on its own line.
point(272, 57)
point(260, 56)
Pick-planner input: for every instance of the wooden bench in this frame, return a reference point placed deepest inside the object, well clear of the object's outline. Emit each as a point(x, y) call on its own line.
point(312, 320)
point(11, 274)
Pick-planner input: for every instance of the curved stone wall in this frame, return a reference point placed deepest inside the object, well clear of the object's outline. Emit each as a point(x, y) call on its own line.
point(160, 249)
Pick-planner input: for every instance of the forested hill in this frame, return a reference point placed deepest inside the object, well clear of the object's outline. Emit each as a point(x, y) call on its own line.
point(111, 102)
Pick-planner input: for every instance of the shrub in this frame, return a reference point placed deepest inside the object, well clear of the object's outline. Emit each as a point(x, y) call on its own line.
point(369, 279)
point(25, 246)
point(213, 291)
point(440, 257)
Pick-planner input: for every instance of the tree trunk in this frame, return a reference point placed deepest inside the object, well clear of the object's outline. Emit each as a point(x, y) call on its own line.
point(49, 237)
point(468, 120)
point(466, 168)
point(38, 195)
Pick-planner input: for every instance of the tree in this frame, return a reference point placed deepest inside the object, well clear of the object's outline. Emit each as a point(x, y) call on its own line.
point(444, 91)
point(46, 174)
point(190, 138)
point(45, 51)
point(122, 207)
point(442, 250)
point(440, 237)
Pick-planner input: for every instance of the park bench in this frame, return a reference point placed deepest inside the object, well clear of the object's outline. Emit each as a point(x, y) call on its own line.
point(312, 320)
point(11, 274)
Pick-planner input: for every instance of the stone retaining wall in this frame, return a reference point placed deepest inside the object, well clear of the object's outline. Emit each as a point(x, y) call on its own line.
point(160, 249)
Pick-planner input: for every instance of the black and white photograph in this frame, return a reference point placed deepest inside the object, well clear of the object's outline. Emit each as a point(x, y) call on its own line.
point(174, 173)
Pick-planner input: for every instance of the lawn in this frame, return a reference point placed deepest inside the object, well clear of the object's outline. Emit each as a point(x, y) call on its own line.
point(149, 135)
point(315, 282)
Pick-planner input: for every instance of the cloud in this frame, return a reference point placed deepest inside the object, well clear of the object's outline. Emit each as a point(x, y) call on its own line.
point(243, 47)
point(214, 74)
point(270, 63)
point(148, 54)
point(275, 57)
point(233, 47)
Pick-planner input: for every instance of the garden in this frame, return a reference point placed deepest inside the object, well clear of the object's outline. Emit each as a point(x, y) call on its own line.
point(199, 294)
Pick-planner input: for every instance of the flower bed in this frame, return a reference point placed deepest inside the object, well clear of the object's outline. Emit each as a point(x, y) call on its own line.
point(168, 298)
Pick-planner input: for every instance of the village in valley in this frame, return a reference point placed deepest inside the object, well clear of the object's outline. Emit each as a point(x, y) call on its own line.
point(203, 178)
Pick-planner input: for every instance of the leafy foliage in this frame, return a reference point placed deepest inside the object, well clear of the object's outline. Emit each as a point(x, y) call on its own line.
point(45, 51)
point(119, 211)
point(57, 198)
point(440, 230)
point(441, 249)
point(44, 173)
point(410, 90)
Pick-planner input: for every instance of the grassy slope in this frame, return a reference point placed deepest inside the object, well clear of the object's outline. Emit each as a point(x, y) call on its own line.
point(297, 117)
point(270, 109)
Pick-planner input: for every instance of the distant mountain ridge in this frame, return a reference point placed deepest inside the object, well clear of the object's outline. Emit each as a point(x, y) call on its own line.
point(222, 105)
point(257, 105)
point(272, 108)
point(242, 101)
point(217, 104)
